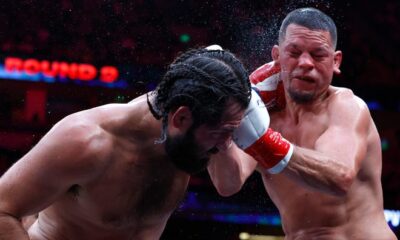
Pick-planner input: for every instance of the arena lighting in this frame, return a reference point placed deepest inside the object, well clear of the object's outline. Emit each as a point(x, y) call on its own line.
point(241, 218)
point(384, 144)
point(74, 71)
point(392, 217)
point(209, 210)
point(374, 105)
point(247, 236)
point(184, 38)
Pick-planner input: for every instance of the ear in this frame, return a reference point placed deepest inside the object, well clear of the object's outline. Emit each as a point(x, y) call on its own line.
point(181, 119)
point(275, 53)
point(337, 60)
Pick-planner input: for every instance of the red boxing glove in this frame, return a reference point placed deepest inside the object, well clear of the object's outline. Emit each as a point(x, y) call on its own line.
point(272, 151)
point(269, 86)
point(269, 148)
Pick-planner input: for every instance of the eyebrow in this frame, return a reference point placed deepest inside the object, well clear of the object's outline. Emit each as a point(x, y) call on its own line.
point(292, 45)
point(321, 49)
point(317, 50)
point(232, 128)
point(226, 128)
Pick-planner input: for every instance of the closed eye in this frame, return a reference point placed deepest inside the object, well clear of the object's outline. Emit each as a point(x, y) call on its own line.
point(294, 54)
point(217, 134)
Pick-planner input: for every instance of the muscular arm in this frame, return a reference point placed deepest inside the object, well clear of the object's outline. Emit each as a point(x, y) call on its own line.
point(229, 170)
point(338, 153)
point(62, 158)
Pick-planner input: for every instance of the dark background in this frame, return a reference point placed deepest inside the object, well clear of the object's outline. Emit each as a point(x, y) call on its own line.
point(142, 37)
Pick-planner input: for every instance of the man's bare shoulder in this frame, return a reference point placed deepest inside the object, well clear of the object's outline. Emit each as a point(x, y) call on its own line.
point(345, 97)
point(97, 130)
point(347, 108)
point(81, 139)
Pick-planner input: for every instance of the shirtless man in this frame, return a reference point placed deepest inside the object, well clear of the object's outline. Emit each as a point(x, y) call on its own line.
point(105, 173)
point(324, 177)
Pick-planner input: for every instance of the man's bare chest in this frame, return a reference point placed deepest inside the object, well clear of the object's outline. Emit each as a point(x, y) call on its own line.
point(303, 131)
point(129, 193)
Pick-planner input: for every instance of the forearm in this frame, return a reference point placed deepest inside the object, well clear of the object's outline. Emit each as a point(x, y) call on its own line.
point(277, 155)
point(11, 228)
point(318, 171)
point(229, 170)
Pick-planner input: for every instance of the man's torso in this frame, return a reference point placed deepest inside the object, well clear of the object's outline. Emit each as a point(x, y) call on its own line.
point(131, 199)
point(308, 213)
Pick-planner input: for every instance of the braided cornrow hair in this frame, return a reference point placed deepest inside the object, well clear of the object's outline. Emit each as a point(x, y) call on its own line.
point(202, 80)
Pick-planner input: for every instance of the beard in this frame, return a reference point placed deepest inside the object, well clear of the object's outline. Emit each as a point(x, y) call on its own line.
point(300, 97)
point(184, 152)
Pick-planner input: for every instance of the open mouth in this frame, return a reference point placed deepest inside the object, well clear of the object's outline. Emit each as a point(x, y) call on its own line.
point(306, 79)
point(303, 83)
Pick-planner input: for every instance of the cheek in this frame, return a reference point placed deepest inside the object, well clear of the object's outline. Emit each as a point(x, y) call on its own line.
point(287, 65)
point(326, 72)
point(285, 76)
point(205, 140)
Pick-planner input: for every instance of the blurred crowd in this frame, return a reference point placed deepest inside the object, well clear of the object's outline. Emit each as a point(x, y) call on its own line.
point(147, 34)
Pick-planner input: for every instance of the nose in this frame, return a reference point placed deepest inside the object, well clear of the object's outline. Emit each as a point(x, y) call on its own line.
point(225, 142)
point(305, 61)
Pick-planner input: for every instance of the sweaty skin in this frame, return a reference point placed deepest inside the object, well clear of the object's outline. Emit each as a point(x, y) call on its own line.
point(331, 189)
point(99, 175)
point(116, 187)
point(314, 196)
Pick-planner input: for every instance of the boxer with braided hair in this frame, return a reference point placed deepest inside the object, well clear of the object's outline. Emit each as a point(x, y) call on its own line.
point(105, 173)
point(201, 78)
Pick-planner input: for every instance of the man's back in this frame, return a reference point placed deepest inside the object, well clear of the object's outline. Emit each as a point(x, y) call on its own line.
point(134, 189)
point(118, 171)
point(307, 212)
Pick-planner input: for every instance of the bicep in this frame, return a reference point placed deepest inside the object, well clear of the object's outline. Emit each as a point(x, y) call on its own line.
point(30, 185)
point(42, 175)
point(230, 169)
point(345, 139)
point(235, 161)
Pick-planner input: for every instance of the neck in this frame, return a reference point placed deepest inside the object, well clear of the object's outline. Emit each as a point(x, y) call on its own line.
point(315, 105)
point(150, 102)
point(136, 119)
